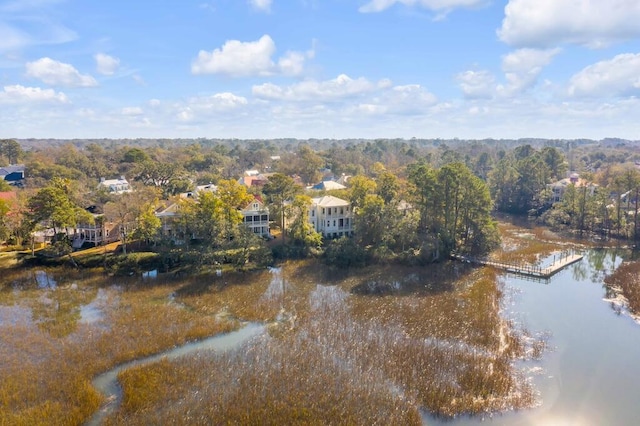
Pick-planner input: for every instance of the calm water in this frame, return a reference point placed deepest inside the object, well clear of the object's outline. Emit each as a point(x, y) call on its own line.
point(591, 374)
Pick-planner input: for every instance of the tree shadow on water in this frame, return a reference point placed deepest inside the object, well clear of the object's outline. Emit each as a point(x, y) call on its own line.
point(413, 281)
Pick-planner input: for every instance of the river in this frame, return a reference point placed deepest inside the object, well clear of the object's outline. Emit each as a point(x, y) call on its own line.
point(589, 375)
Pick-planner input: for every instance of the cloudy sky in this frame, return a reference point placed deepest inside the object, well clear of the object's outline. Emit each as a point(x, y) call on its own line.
point(320, 68)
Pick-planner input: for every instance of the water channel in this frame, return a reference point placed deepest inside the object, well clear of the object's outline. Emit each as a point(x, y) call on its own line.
point(107, 383)
point(590, 375)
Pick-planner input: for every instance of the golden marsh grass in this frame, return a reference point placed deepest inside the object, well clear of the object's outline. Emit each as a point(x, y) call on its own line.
point(368, 346)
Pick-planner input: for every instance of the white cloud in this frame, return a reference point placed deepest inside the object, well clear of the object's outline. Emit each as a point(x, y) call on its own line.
point(201, 107)
point(436, 5)
point(338, 88)
point(58, 74)
point(522, 68)
point(261, 5)
point(292, 63)
point(105, 64)
point(132, 111)
point(237, 58)
point(477, 84)
point(11, 38)
point(241, 59)
point(619, 76)
point(20, 94)
point(545, 23)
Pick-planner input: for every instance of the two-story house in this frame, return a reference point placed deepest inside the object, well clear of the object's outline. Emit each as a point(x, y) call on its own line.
point(255, 216)
point(560, 187)
point(331, 216)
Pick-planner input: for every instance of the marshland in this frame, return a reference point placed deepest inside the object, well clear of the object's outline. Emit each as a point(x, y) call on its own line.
point(382, 344)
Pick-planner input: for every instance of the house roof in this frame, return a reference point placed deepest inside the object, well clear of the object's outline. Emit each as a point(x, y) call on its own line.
point(8, 196)
point(255, 199)
point(329, 201)
point(572, 181)
point(170, 211)
point(329, 185)
point(7, 170)
point(200, 188)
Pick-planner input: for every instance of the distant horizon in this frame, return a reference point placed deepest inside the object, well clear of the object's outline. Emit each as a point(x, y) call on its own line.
point(309, 69)
point(524, 139)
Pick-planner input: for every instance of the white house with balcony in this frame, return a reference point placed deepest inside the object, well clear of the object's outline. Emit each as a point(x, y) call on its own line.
point(95, 234)
point(255, 216)
point(331, 216)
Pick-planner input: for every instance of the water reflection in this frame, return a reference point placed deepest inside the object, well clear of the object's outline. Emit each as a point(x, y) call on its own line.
point(52, 302)
point(590, 376)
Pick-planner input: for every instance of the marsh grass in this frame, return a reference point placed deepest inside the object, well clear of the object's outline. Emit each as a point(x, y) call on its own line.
point(50, 358)
point(625, 281)
point(433, 341)
point(372, 346)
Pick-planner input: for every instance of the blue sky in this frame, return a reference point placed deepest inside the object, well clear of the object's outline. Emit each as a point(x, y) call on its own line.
point(320, 68)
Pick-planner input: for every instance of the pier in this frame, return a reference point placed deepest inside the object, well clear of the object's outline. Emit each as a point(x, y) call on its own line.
point(559, 262)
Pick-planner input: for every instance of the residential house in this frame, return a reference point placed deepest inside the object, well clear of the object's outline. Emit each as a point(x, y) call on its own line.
point(256, 217)
point(115, 186)
point(559, 188)
point(253, 178)
point(96, 234)
point(331, 216)
point(169, 226)
point(13, 174)
point(199, 189)
point(328, 185)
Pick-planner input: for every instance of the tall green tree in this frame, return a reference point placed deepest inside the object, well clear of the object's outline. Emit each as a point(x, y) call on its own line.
point(278, 190)
point(359, 187)
point(300, 230)
point(11, 150)
point(54, 207)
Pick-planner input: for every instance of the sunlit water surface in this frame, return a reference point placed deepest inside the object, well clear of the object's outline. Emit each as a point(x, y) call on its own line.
point(590, 376)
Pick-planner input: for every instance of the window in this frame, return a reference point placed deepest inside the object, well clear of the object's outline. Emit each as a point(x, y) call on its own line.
point(256, 206)
point(264, 218)
point(334, 223)
point(323, 210)
point(328, 223)
point(249, 219)
point(256, 218)
point(341, 210)
point(313, 213)
point(341, 223)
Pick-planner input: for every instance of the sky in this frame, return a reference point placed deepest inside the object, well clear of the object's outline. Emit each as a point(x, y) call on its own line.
point(470, 69)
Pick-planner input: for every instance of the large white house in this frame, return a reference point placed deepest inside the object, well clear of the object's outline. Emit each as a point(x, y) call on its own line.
point(331, 216)
point(115, 186)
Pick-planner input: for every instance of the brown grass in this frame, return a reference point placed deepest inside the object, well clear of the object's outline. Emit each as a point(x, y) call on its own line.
point(339, 357)
point(625, 281)
point(372, 346)
point(50, 356)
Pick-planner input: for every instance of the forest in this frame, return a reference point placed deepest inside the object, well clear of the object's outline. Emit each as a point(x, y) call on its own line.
point(414, 201)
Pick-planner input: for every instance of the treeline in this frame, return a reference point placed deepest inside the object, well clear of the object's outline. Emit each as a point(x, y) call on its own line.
point(415, 200)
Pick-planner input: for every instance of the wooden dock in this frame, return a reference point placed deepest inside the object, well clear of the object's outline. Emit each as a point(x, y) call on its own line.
point(563, 260)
